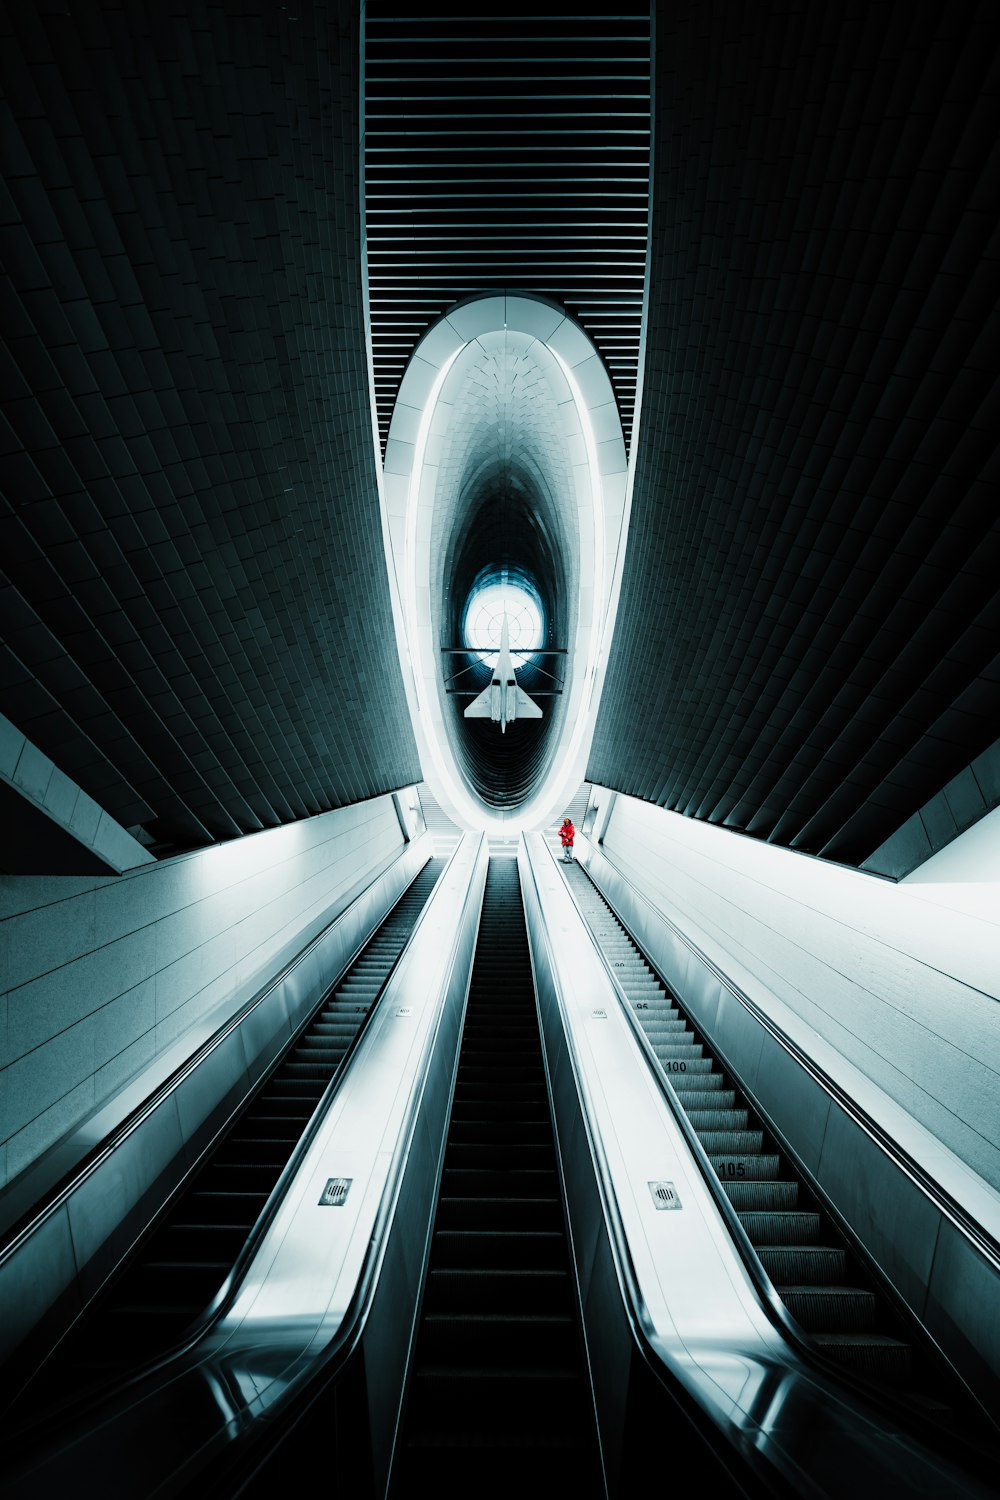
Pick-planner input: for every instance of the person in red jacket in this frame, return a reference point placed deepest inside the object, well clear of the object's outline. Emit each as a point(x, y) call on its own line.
point(567, 833)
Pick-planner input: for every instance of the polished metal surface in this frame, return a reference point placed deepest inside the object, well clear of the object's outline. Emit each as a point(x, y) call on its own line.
point(944, 1266)
point(320, 1282)
point(65, 1252)
point(674, 1280)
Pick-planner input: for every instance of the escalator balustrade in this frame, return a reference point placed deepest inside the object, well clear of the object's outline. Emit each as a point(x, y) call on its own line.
point(181, 1265)
point(810, 1266)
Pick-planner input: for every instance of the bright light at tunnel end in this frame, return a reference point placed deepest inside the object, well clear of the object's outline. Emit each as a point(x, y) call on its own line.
point(483, 619)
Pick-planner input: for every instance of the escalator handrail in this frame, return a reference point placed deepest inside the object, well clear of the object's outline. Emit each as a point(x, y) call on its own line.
point(977, 1234)
point(52, 1201)
point(636, 1311)
point(638, 1318)
point(776, 1310)
point(224, 1296)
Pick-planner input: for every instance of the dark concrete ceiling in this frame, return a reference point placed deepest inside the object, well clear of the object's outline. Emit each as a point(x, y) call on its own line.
point(194, 607)
point(808, 641)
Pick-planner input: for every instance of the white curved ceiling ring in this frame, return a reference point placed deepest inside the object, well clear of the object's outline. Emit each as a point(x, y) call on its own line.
point(590, 444)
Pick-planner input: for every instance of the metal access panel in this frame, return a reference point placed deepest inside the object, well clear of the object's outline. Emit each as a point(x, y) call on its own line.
point(335, 1193)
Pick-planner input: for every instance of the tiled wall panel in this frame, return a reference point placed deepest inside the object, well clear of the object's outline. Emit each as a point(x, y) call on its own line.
point(104, 974)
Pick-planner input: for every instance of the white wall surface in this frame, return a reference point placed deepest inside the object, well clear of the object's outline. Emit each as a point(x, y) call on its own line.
point(899, 982)
point(99, 975)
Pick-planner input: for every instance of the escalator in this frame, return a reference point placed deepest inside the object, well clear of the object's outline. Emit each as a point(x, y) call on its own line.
point(182, 1263)
point(813, 1269)
point(499, 1394)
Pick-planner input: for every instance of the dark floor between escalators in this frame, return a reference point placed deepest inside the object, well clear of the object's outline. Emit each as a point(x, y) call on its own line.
point(181, 1264)
point(499, 1398)
point(820, 1279)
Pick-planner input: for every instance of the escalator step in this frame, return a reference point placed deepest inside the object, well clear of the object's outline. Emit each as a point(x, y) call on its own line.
point(228, 1206)
point(761, 1195)
point(705, 1082)
point(253, 1151)
point(197, 1236)
point(493, 1211)
point(509, 1248)
point(491, 1111)
point(807, 1273)
point(497, 1290)
point(523, 1091)
point(503, 1156)
point(182, 1265)
point(803, 1265)
point(732, 1142)
point(877, 1356)
point(239, 1177)
point(705, 1120)
point(504, 1340)
point(754, 1168)
point(830, 1309)
point(536, 1403)
point(682, 1050)
point(695, 1098)
point(496, 1133)
point(677, 1063)
point(474, 1182)
point(781, 1228)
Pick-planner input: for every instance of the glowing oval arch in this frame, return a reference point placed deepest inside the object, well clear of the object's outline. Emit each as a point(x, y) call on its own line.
point(591, 439)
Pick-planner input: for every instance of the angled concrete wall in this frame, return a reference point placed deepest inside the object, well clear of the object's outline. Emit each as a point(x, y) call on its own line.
point(893, 989)
point(98, 976)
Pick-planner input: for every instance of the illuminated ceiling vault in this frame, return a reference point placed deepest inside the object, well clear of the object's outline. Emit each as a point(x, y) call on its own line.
point(505, 462)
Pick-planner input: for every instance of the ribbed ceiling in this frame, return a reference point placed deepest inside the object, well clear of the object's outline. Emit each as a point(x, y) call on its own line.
point(808, 642)
point(506, 150)
point(189, 523)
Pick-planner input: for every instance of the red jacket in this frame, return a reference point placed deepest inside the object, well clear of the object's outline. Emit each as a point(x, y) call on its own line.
point(567, 833)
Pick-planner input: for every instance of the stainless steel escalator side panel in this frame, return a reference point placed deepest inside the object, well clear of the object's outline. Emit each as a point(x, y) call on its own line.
point(935, 1239)
point(64, 1254)
point(675, 1279)
point(332, 1269)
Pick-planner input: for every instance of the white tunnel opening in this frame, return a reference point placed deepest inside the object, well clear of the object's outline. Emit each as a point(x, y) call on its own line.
point(505, 392)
